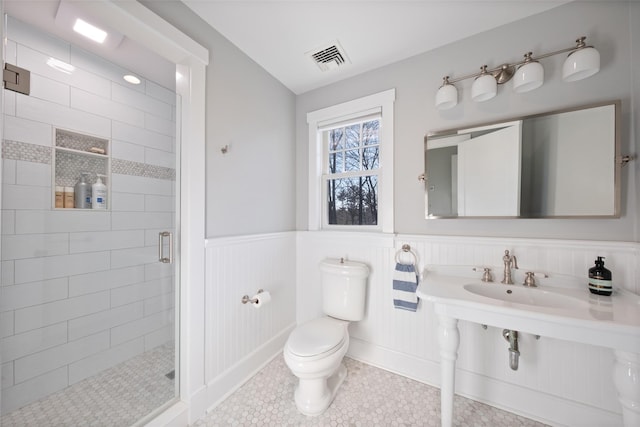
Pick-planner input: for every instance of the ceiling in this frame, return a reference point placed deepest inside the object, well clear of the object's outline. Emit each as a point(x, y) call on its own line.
point(278, 34)
point(130, 56)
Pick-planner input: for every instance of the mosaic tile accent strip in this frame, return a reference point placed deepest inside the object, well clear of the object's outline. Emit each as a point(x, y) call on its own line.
point(119, 396)
point(127, 167)
point(14, 150)
point(73, 163)
point(69, 166)
point(80, 142)
point(369, 397)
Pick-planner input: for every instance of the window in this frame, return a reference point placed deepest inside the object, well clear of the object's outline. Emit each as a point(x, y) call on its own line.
point(351, 164)
point(351, 174)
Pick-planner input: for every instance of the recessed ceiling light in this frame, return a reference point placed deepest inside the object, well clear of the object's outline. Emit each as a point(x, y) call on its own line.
point(132, 79)
point(56, 64)
point(90, 31)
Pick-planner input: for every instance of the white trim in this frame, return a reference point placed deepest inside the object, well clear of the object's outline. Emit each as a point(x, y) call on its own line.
point(233, 378)
point(360, 116)
point(226, 241)
point(315, 119)
point(175, 416)
point(363, 104)
point(145, 27)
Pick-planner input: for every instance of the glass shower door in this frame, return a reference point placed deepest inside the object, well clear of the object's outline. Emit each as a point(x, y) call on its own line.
point(88, 313)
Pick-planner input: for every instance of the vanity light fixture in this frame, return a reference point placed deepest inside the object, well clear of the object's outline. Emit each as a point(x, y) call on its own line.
point(447, 96)
point(583, 61)
point(529, 76)
point(484, 87)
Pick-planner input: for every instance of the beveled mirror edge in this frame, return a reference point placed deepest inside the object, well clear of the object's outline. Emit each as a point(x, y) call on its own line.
point(618, 163)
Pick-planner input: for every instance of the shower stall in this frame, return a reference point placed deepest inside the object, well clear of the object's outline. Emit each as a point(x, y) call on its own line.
point(88, 312)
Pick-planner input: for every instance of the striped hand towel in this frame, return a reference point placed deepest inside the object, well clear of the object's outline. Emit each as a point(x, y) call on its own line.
point(405, 282)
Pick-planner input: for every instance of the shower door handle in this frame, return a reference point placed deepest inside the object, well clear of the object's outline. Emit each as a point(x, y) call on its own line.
point(161, 256)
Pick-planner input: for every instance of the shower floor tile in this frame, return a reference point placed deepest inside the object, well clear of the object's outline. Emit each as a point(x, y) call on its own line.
point(117, 397)
point(368, 397)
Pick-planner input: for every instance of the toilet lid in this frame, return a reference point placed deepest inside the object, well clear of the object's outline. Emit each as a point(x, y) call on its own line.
point(316, 337)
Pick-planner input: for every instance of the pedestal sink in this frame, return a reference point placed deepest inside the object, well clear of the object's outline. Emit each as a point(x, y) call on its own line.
point(562, 313)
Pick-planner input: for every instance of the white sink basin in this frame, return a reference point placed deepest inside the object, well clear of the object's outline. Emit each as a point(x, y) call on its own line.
point(563, 313)
point(555, 312)
point(521, 295)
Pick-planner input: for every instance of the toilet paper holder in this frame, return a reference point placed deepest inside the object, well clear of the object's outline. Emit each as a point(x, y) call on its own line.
point(247, 298)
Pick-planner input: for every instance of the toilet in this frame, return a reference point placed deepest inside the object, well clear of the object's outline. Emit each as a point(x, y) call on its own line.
point(315, 349)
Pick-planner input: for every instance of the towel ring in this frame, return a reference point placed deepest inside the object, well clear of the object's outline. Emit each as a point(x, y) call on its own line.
point(406, 248)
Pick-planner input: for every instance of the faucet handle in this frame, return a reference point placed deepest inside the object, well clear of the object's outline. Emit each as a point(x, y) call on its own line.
point(486, 275)
point(530, 280)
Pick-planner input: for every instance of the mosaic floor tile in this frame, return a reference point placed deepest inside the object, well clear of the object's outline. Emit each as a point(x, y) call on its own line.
point(368, 397)
point(117, 397)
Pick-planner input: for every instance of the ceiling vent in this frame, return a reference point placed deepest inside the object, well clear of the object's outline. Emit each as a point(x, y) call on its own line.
point(329, 57)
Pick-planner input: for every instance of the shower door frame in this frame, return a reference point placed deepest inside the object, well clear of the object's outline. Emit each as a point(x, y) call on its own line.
point(149, 30)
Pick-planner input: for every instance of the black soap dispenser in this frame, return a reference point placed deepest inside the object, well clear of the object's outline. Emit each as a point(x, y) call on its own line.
point(600, 279)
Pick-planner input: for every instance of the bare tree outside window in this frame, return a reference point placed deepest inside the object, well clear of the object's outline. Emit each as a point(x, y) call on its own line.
point(352, 179)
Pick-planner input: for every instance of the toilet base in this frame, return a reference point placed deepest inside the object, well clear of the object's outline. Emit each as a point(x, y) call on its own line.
point(313, 396)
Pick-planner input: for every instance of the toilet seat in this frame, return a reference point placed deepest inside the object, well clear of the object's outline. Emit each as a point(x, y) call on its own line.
point(317, 338)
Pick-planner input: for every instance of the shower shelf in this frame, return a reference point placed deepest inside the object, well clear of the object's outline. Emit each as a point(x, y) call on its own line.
point(71, 157)
point(81, 152)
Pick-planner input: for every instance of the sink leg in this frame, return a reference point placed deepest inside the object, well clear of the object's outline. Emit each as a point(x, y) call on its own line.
point(449, 340)
point(626, 377)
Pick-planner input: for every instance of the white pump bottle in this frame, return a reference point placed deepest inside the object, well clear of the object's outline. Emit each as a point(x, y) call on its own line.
point(99, 194)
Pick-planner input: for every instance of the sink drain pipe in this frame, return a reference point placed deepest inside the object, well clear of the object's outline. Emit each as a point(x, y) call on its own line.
point(514, 354)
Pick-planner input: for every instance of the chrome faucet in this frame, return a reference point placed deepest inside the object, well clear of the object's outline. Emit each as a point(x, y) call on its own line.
point(510, 262)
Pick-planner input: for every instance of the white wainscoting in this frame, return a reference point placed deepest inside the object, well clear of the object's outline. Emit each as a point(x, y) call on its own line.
point(558, 382)
point(240, 339)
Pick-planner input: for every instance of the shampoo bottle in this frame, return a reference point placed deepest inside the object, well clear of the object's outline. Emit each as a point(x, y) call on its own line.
point(83, 192)
point(600, 279)
point(99, 194)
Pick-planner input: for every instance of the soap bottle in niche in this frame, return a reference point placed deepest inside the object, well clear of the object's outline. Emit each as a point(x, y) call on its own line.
point(83, 192)
point(68, 197)
point(59, 197)
point(99, 194)
point(600, 279)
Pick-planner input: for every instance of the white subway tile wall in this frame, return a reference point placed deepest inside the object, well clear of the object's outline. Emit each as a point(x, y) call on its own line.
point(81, 290)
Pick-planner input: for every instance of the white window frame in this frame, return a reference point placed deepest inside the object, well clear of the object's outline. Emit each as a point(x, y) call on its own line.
point(381, 102)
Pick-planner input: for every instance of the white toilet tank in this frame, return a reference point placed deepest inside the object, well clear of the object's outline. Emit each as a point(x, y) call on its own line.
point(344, 285)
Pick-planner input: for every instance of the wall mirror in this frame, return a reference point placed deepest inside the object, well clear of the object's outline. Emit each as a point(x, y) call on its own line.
point(561, 164)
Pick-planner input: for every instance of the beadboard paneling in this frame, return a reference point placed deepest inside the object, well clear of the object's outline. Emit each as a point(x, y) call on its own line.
point(405, 342)
point(240, 266)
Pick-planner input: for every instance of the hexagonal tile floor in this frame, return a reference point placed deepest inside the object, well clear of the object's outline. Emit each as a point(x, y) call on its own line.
point(368, 397)
point(116, 397)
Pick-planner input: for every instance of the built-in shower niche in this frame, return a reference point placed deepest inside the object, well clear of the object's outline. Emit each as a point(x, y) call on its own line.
point(76, 153)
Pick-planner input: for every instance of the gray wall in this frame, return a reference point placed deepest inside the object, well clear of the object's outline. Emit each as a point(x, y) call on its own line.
point(609, 26)
point(250, 189)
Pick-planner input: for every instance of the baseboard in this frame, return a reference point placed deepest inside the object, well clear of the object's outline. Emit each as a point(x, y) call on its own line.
point(425, 371)
point(546, 408)
point(228, 382)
